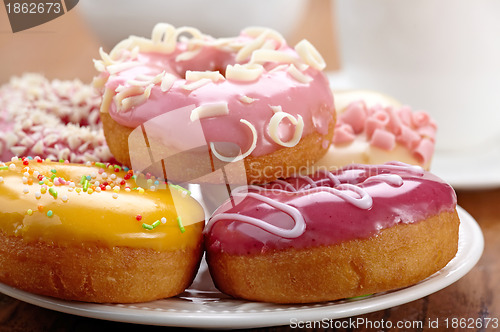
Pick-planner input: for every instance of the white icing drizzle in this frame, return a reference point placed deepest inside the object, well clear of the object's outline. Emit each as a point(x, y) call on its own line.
point(241, 156)
point(392, 166)
point(275, 122)
point(391, 179)
point(344, 191)
point(297, 230)
point(209, 110)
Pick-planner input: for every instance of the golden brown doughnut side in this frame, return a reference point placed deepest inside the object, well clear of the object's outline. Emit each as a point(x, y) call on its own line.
point(94, 273)
point(283, 163)
point(397, 257)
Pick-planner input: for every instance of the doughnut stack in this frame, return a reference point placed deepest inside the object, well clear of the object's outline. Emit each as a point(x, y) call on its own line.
point(328, 193)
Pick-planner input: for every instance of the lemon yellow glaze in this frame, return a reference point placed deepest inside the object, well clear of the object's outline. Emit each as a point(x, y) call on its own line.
point(91, 212)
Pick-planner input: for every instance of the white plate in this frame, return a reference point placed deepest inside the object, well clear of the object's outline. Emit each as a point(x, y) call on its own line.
point(472, 169)
point(202, 306)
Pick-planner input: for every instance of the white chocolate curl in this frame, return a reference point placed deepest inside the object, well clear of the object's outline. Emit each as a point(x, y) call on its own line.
point(262, 56)
point(209, 110)
point(246, 72)
point(310, 55)
point(298, 75)
point(274, 132)
point(214, 76)
point(241, 156)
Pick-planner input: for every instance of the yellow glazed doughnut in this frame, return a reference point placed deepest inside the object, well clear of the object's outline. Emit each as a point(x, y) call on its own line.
point(96, 232)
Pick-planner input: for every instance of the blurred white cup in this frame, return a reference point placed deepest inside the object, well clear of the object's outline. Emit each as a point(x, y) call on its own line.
point(440, 56)
point(114, 20)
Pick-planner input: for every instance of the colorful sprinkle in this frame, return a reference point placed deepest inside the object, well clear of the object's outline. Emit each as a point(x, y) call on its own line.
point(50, 213)
point(163, 220)
point(86, 184)
point(54, 170)
point(40, 208)
point(138, 217)
point(156, 223)
point(29, 212)
point(53, 192)
point(146, 226)
point(4, 168)
point(12, 167)
point(179, 221)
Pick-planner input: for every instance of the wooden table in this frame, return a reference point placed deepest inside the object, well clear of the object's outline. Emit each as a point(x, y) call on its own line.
point(63, 49)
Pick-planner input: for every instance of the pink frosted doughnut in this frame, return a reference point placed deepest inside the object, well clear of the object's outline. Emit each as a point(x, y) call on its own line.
point(358, 230)
point(269, 99)
point(373, 128)
point(51, 119)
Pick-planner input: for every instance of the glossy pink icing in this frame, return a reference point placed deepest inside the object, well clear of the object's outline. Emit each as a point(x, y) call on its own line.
point(355, 202)
point(385, 127)
point(313, 100)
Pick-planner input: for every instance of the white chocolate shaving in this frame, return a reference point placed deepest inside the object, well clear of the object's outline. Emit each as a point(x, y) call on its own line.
point(276, 108)
point(250, 47)
point(105, 57)
point(298, 75)
point(310, 55)
point(129, 102)
point(196, 85)
point(99, 65)
point(257, 31)
point(120, 47)
point(209, 110)
point(241, 156)
point(274, 132)
point(262, 56)
point(107, 98)
point(187, 55)
point(246, 72)
point(162, 32)
point(278, 68)
point(195, 33)
point(167, 82)
point(118, 67)
point(214, 76)
point(247, 100)
point(125, 92)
